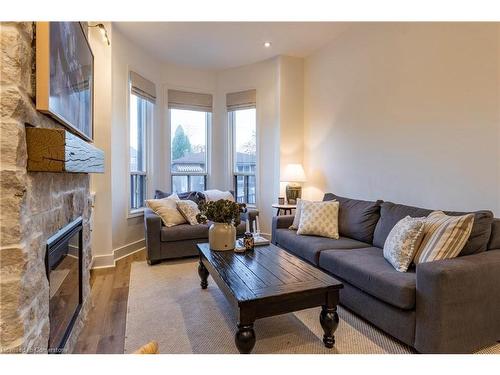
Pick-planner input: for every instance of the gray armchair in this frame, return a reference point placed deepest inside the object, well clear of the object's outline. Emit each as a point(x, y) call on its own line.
point(180, 241)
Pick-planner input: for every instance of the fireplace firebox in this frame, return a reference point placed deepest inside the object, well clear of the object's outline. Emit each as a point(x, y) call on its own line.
point(64, 271)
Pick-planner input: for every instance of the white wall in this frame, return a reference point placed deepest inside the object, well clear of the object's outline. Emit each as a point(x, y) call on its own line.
point(115, 232)
point(129, 232)
point(291, 112)
point(408, 113)
point(101, 183)
point(498, 113)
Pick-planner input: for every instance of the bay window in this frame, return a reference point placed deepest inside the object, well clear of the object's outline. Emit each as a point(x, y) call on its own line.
point(190, 118)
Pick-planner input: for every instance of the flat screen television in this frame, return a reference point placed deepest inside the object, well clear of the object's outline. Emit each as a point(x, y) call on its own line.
point(65, 75)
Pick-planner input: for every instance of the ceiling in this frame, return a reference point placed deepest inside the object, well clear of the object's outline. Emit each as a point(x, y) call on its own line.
point(222, 45)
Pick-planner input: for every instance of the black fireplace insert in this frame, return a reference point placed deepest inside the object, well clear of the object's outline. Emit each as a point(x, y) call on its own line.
point(63, 263)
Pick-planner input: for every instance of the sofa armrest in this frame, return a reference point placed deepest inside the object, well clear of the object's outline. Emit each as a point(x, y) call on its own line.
point(249, 215)
point(458, 303)
point(152, 227)
point(280, 222)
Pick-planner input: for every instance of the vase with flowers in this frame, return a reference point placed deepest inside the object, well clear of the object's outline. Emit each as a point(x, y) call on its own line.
point(225, 216)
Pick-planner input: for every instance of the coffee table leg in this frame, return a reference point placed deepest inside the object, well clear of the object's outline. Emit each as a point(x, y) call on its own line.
point(329, 320)
point(245, 338)
point(203, 272)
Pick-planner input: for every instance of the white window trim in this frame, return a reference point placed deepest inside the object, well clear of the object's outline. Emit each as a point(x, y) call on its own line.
point(208, 151)
point(137, 212)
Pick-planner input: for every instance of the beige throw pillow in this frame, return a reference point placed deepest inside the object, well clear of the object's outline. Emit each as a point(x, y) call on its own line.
point(189, 210)
point(166, 208)
point(296, 218)
point(444, 236)
point(319, 219)
point(403, 242)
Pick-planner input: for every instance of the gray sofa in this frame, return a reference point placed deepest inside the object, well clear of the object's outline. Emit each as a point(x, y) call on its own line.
point(446, 306)
point(180, 241)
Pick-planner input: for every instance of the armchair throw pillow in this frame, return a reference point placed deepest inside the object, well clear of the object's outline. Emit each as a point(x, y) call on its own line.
point(166, 208)
point(215, 195)
point(189, 210)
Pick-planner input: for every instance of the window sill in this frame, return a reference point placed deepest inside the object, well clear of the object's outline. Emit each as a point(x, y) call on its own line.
point(135, 213)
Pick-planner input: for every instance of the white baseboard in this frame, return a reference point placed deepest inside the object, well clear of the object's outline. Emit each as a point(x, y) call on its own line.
point(103, 261)
point(109, 260)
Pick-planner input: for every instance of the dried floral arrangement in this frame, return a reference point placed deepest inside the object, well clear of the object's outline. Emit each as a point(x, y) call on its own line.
point(221, 211)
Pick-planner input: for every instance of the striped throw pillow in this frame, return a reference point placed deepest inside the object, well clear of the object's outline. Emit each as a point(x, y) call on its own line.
point(444, 236)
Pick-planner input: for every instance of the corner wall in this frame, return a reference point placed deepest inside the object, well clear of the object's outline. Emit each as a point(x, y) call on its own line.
point(263, 77)
point(291, 94)
point(279, 84)
point(407, 112)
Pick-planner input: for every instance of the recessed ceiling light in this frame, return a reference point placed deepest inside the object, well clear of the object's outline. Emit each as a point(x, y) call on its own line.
point(267, 44)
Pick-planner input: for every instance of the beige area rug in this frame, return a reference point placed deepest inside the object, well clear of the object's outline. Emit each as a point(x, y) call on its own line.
point(166, 304)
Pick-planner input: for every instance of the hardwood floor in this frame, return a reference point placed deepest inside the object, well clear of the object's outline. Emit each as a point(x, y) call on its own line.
point(104, 331)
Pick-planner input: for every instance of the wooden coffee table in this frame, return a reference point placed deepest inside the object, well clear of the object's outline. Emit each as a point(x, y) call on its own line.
point(269, 281)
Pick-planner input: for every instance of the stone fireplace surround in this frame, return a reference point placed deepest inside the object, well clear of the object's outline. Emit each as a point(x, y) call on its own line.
point(33, 205)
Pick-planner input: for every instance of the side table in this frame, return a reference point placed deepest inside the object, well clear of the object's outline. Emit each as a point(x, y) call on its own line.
point(284, 209)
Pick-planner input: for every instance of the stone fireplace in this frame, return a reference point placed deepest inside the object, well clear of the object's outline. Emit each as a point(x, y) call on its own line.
point(33, 206)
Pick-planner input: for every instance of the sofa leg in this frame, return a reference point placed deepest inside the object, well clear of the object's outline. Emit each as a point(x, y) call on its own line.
point(153, 262)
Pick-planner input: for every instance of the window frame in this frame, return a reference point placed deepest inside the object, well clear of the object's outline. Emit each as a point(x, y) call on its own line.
point(233, 175)
point(206, 174)
point(149, 115)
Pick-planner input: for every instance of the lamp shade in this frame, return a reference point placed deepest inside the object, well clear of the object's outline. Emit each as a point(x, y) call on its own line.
point(293, 173)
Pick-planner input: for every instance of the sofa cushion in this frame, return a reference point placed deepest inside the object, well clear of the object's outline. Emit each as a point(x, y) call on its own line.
point(308, 247)
point(184, 232)
point(192, 232)
point(391, 213)
point(368, 270)
point(494, 242)
point(357, 218)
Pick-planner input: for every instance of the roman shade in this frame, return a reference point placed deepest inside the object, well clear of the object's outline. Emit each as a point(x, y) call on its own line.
point(192, 101)
point(241, 100)
point(142, 87)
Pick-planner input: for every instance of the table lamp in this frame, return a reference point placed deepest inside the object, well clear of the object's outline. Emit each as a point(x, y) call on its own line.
point(293, 174)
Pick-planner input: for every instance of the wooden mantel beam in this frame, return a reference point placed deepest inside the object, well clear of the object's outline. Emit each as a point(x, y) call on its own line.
point(57, 150)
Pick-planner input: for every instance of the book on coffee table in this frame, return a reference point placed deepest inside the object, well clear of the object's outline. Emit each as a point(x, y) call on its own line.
point(257, 241)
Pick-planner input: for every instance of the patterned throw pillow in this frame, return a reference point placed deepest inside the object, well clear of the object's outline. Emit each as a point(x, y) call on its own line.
point(298, 211)
point(444, 236)
point(166, 208)
point(189, 210)
point(403, 242)
point(319, 219)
